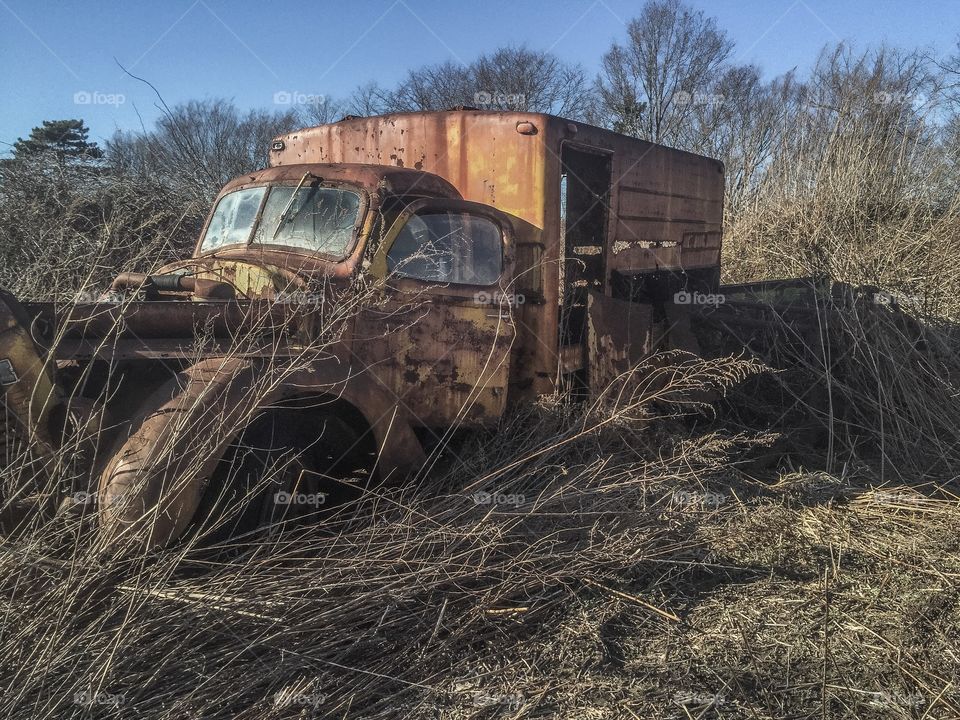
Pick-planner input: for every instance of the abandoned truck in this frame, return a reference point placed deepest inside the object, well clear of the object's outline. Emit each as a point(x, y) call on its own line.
point(468, 260)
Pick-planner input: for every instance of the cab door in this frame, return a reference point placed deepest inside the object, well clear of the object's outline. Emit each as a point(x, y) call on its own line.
point(440, 336)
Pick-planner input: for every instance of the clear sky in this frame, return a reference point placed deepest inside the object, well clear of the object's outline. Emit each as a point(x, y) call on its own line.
point(57, 58)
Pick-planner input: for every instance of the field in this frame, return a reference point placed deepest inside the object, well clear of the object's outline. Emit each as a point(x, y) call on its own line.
point(787, 549)
point(634, 556)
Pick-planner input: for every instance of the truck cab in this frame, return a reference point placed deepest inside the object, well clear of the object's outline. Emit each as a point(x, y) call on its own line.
point(438, 335)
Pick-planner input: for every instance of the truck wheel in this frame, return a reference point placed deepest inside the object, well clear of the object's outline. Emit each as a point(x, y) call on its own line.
point(287, 467)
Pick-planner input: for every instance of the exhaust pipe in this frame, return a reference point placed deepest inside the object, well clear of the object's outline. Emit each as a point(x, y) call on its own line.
point(201, 288)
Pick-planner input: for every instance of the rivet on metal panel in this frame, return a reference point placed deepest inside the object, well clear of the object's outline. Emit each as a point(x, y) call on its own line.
point(526, 128)
point(572, 128)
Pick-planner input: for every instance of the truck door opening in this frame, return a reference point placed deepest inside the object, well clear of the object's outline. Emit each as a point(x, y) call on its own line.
point(584, 205)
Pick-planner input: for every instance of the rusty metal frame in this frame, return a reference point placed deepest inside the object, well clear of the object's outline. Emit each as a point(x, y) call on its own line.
point(378, 265)
point(365, 206)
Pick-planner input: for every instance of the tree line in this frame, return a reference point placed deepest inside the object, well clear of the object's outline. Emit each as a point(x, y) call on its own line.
point(877, 128)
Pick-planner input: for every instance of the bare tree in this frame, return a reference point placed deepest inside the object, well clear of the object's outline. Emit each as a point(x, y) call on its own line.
point(198, 146)
point(621, 104)
point(510, 78)
point(368, 99)
point(862, 131)
point(432, 87)
point(320, 111)
point(672, 53)
point(949, 181)
point(742, 120)
point(530, 80)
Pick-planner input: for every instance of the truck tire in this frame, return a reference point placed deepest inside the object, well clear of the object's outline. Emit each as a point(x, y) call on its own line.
point(287, 467)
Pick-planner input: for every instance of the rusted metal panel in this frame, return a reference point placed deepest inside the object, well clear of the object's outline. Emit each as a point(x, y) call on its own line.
point(620, 336)
point(448, 361)
point(479, 153)
point(484, 157)
point(658, 195)
point(444, 349)
point(163, 319)
point(28, 388)
point(152, 485)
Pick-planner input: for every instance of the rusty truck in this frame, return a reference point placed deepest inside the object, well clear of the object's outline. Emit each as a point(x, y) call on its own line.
point(485, 258)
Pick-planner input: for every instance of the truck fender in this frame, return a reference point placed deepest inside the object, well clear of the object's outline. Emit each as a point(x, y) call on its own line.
point(153, 483)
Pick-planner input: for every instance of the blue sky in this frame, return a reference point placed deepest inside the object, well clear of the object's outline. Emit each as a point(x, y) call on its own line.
point(57, 58)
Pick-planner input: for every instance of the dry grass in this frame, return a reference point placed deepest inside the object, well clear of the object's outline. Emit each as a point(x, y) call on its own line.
point(634, 561)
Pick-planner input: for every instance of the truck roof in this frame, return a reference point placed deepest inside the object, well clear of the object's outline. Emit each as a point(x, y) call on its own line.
point(438, 124)
point(393, 180)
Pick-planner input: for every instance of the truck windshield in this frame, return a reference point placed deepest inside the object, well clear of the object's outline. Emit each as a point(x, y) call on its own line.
point(233, 218)
point(320, 219)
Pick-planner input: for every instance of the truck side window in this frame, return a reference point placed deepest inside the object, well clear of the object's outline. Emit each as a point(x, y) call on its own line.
point(448, 247)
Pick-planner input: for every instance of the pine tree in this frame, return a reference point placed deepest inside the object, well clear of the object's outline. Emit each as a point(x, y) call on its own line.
point(66, 138)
